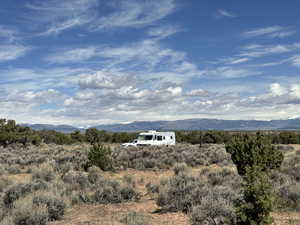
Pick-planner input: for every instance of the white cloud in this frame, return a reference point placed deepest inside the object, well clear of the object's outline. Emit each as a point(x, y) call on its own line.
point(148, 51)
point(198, 93)
point(106, 80)
point(11, 52)
point(278, 96)
point(62, 56)
point(295, 60)
point(224, 13)
point(134, 13)
point(147, 54)
point(148, 58)
point(24, 79)
point(175, 91)
point(295, 91)
point(36, 97)
point(252, 51)
point(163, 31)
point(62, 15)
point(234, 61)
point(272, 31)
point(277, 90)
point(115, 101)
point(59, 16)
point(229, 72)
point(27, 106)
point(255, 50)
point(8, 34)
point(282, 34)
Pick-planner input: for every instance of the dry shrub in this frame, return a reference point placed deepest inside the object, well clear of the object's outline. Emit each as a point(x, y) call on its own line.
point(129, 180)
point(43, 172)
point(113, 192)
point(180, 168)
point(76, 180)
point(94, 174)
point(8, 220)
point(163, 157)
point(13, 169)
point(213, 210)
point(290, 197)
point(54, 204)
point(25, 212)
point(2, 170)
point(17, 191)
point(4, 183)
point(182, 192)
point(135, 218)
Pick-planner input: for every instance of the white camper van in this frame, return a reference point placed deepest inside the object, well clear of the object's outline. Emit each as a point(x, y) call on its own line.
point(153, 137)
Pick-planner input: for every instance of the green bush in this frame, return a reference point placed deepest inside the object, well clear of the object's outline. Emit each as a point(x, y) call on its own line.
point(100, 156)
point(255, 157)
point(258, 200)
point(11, 133)
point(248, 151)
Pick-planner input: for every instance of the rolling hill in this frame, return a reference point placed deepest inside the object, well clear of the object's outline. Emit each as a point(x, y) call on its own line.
point(189, 124)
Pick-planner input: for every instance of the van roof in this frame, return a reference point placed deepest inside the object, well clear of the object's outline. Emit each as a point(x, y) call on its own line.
point(157, 133)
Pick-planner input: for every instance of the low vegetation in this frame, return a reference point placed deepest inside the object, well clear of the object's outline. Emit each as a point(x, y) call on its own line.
point(39, 183)
point(255, 158)
point(164, 158)
point(11, 133)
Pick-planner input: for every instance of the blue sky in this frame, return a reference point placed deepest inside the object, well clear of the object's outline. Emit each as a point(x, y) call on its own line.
point(88, 62)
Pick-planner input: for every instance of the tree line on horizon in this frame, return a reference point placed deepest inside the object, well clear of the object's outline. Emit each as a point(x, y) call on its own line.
point(11, 133)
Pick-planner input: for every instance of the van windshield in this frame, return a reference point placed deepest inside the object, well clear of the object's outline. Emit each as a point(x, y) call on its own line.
point(145, 137)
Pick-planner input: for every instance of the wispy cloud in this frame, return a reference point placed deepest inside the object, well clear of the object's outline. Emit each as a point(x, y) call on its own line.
point(233, 61)
point(295, 60)
point(24, 79)
point(62, 56)
point(163, 31)
point(277, 96)
point(148, 57)
point(59, 16)
point(134, 13)
point(62, 15)
point(272, 31)
point(229, 72)
point(107, 80)
point(12, 52)
point(255, 50)
point(224, 13)
point(8, 34)
point(35, 97)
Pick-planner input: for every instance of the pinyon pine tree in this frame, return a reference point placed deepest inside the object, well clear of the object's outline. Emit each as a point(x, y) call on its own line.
point(254, 157)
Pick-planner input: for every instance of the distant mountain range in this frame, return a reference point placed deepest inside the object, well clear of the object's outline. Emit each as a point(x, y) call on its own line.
point(60, 128)
point(189, 124)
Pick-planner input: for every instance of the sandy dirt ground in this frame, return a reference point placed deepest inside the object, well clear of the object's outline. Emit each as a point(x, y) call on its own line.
point(112, 214)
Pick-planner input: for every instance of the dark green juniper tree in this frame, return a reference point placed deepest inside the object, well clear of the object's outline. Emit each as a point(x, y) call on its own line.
point(254, 157)
point(100, 156)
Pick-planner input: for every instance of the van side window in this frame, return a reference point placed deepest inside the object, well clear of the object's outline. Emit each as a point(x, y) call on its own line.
point(164, 138)
point(159, 138)
point(171, 137)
